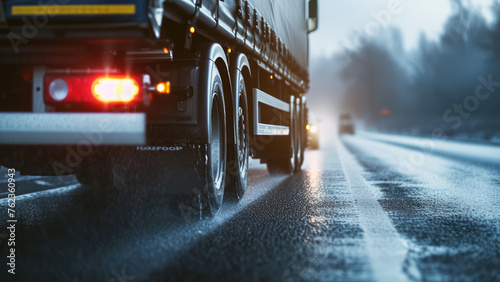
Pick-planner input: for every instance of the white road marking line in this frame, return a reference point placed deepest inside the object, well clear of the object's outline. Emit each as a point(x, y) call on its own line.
point(43, 183)
point(48, 191)
point(386, 248)
point(21, 178)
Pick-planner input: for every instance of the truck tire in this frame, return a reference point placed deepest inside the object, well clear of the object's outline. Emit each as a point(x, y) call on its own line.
point(237, 170)
point(299, 160)
point(214, 168)
point(314, 144)
point(286, 165)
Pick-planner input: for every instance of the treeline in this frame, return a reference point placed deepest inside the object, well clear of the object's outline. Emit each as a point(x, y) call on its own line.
point(450, 81)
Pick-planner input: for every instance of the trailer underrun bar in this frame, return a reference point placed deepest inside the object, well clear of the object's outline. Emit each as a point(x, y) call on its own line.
point(268, 129)
point(76, 128)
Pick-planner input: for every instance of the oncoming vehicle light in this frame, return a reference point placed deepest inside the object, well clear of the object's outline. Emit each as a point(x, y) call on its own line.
point(314, 129)
point(107, 89)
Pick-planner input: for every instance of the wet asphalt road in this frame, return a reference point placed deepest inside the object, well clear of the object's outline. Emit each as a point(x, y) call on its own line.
point(364, 208)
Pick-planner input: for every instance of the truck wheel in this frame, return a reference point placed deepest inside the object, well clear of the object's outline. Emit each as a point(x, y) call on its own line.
point(299, 133)
point(214, 168)
point(238, 154)
point(284, 166)
point(314, 144)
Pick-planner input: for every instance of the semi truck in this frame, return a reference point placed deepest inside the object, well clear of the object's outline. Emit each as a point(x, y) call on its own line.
point(208, 82)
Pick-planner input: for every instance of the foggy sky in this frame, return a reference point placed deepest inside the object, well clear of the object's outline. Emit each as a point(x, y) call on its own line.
point(338, 20)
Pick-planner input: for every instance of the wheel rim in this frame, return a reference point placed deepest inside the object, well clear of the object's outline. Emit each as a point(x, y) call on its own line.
point(242, 137)
point(216, 145)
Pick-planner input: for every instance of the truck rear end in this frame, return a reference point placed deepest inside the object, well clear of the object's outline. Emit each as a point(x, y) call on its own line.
point(65, 85)
point(207, 82)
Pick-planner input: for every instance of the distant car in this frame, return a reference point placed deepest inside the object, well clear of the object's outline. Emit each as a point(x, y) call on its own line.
point(312, 136)
point(346, 125)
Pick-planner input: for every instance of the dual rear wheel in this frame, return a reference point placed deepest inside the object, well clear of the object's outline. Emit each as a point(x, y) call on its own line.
point(293, 162)
point(226, 170)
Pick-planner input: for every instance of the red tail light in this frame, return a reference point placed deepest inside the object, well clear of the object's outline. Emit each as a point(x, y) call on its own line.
point(92, 89)
point(107, 89)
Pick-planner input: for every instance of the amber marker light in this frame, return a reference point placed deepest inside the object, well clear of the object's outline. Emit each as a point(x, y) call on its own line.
point(163, 87)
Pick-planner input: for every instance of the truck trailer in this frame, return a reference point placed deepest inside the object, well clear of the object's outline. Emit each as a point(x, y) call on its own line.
point(207, 82)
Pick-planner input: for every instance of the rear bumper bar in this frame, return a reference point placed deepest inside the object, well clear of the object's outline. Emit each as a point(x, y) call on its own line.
point(72, 129)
